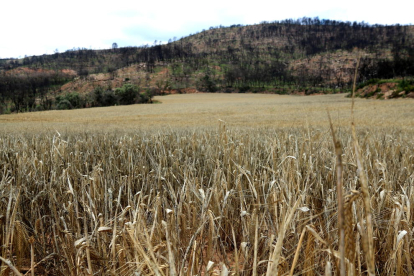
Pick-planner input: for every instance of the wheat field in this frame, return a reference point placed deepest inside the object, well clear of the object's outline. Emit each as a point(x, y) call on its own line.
point(204, 110)
point(209, 184)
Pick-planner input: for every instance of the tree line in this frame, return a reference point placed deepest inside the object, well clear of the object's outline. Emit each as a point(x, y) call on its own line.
point(28, 90)
point(31, 91)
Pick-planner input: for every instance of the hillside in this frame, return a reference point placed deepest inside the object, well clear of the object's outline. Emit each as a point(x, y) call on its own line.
point(291, 56)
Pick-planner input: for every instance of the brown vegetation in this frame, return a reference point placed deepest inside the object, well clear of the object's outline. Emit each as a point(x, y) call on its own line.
point(208, 200)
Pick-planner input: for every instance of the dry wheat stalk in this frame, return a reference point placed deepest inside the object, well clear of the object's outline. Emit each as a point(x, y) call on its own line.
point(160, 175)
point(339, 191)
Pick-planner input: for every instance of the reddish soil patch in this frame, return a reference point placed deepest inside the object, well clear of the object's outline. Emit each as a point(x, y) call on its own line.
point(384, 90)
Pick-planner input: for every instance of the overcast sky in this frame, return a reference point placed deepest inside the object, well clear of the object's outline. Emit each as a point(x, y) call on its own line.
point(39, 27)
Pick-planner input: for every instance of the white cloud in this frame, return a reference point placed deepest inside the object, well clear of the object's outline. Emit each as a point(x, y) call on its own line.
point(37, 27)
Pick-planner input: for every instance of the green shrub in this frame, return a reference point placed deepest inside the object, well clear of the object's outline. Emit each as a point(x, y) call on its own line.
point(144, 97)
point(228, 89)
point(368, 82)
point(39, 107)
point(4, 109)
point(97, 96)
point(64, 104)
point(257, 89)
point(206, 84)
point(75, 99)
point(310, 91)
point(70, 100)
point(370, 94)
point(244, 89)
point(109, 98)
point(406, 85)
point(127, 93)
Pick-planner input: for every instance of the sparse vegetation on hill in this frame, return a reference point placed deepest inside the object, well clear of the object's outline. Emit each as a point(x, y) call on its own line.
point(386, 89)
point(305, 55)
point(26, 89)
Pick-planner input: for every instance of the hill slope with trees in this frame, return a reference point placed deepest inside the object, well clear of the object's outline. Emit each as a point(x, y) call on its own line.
point(305, 55)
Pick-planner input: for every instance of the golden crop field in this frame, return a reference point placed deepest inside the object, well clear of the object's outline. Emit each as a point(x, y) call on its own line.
point(204, 110)
point(209, 184)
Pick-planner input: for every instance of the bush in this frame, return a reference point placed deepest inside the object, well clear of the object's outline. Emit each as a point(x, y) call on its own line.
point(206, 84)
point(127, 94)
point(311, 91)
point(97, 96)
point(145, 97)
point(64, 104)
point(70, 100)
point(228, 89)
point(258, 89)
point(406, 86)
point(39, 107)
point(109, 98)
point(368, 82)
point(75, 99)
point(4, 109)
point(244, 89)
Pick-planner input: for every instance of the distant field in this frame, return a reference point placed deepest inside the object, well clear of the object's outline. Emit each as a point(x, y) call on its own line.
point(241, 110)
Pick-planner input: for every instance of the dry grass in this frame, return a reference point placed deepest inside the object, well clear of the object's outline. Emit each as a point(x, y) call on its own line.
point(206, 197)
point(204, 110)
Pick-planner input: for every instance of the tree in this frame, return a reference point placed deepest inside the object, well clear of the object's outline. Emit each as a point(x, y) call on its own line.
point(127, 94)
point(206, 84)
point(114, 45)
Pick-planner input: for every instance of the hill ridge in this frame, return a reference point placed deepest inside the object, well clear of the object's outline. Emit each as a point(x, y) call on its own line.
point(306, 55)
